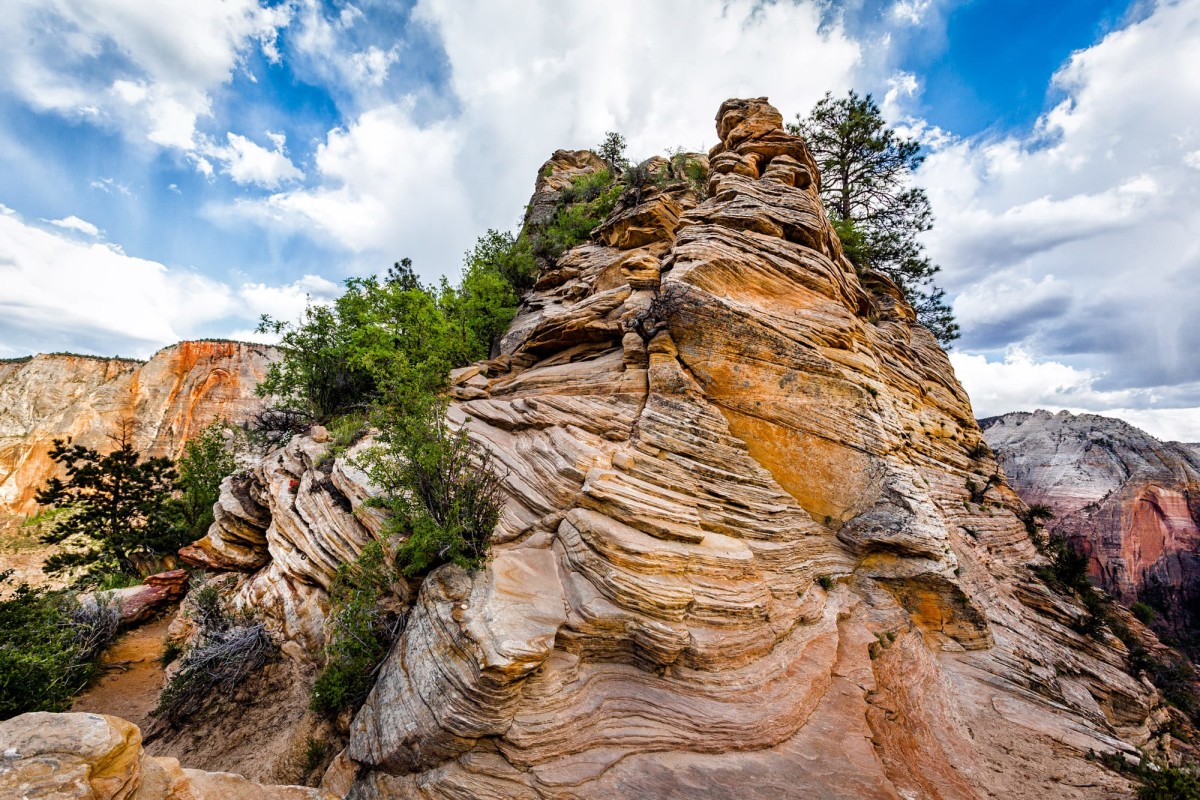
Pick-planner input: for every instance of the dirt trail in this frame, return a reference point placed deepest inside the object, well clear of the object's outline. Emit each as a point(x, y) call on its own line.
point(132, 675)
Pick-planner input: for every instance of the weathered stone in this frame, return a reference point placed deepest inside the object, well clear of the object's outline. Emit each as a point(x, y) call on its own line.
point(97, 757)
point(1131, 502)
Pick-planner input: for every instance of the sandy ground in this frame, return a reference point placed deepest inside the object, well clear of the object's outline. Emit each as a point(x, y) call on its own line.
point(132, 675)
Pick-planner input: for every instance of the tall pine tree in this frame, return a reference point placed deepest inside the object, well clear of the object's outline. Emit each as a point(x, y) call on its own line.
point(865, 184)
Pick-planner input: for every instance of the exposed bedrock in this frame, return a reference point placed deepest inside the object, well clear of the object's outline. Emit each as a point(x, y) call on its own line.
point(741, 554)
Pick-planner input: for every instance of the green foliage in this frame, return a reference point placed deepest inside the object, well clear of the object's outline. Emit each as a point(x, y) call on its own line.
point(1169, 783)
point(583, 205)
point(49, 642)
point(826, 582)
point(440, 488)
point(359, 631)
point(226, 649)
point(505, 255)
point(207, 459)
point(1143, 612)
point(612, 150)
point(122, 516)
point(315, 751)
point(393, 341)
point(1034, 516)
point(866, 171)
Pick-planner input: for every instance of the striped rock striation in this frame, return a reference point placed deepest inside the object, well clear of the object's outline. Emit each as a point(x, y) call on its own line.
point(1129, 500)
point(750, 548)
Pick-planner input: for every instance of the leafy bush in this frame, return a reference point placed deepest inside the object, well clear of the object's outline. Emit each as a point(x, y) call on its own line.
point(207, 459)
point(226, 649)
point(1169, 783)
point(1143, 612)
point(583, 205)
point(359, 631)
point(49, 643)
point(442, 490)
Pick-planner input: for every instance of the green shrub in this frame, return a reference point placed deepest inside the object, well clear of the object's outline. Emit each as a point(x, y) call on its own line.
point(49, 643)
point(1143, 612)
point(826, 582)
point(1169, 783)
point(207, 459)
point(442, 491)
point(358, 632)
point(583, 205)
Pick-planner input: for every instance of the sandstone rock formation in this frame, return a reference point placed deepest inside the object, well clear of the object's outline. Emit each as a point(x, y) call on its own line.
point(174, 395)
point(1127, 499)
point(750, 548)
point(97, 757)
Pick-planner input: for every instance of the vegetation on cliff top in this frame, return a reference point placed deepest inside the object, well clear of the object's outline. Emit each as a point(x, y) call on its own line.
point(866, 172)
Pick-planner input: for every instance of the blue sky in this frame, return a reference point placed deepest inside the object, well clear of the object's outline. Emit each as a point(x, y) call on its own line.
point(173, 169)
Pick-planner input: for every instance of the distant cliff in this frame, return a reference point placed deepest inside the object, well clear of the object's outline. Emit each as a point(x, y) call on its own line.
point(1129, 500)
point(175, 394)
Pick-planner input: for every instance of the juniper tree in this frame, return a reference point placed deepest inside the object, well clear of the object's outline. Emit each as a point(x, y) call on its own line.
point(866, 172)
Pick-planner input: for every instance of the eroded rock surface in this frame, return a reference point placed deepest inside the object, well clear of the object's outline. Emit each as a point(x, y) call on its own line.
point(170, 398)
point(98, 757)
point(749, 549)
point(1129, 500)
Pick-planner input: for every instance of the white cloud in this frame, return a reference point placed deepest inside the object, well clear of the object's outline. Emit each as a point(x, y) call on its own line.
point(1077, 242)
point(911, 12)
point(74, 223)
point(60, 293)
point(371, 65)
point(109, 185)
point(147, 68)
point(287, 303)
point(396, 182)
point(249, 163)
point(1021, 383)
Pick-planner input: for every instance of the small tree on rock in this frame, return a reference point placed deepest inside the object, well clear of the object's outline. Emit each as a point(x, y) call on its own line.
point(118, 507)
point(866, 171)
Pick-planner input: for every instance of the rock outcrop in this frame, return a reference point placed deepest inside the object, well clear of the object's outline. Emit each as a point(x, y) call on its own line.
point(1128, 500)
point(98, 757)
point(169, 398)
point(750, 547)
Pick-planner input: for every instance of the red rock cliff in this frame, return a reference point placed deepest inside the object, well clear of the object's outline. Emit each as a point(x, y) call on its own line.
point(178, 392)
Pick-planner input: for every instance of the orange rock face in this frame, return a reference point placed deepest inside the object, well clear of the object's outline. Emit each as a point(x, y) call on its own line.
point(171, 397)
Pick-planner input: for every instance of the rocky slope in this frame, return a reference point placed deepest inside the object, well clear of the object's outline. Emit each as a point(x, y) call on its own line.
point(1129, 500)
point(175, 394)
point(750, 547)
point(97, 757)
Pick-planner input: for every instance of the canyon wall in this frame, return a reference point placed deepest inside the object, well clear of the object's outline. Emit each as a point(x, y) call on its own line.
point(752, 546)
point(1127, 499)
point(172, 396)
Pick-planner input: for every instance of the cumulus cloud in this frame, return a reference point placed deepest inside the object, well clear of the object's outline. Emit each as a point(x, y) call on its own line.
point(74, 223)
point(1075, 244)
point(147, 68)
point(249, 163)
point(398, 181)
point(64, 294)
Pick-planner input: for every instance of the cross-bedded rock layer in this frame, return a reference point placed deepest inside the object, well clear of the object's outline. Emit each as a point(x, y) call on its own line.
point(747, 550)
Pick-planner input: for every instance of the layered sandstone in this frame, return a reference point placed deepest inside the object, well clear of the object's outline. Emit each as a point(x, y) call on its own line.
point(98, 757)
point(178, 392)
point(750, 547)
point(1128, 500)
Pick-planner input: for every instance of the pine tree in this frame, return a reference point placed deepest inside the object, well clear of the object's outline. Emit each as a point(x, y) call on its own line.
point(117, 507)
point(865, 183)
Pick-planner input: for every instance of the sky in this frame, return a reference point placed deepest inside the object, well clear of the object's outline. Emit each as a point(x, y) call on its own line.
point(175, 169)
